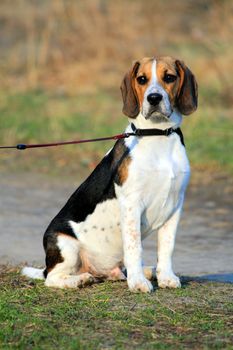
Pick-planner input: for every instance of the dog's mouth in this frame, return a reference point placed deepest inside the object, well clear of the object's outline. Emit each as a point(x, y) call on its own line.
point(159, 116)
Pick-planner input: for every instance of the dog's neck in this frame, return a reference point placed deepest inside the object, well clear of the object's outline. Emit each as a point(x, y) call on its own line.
point(141, 122)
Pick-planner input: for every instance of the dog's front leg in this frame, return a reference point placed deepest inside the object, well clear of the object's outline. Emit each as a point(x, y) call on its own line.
point(166, 242)
point(132, 247)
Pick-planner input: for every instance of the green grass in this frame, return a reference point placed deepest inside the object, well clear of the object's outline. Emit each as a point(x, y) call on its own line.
point(42, 117)
point(37, 116)
point(108, 316)
point(209, 138)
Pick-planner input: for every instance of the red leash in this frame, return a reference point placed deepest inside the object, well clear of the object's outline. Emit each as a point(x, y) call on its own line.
point(22, 146)
point(136, 132)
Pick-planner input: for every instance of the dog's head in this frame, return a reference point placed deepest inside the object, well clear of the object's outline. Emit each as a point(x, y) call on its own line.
point(157, 86)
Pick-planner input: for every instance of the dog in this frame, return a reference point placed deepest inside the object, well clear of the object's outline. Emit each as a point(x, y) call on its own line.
point(137, 189)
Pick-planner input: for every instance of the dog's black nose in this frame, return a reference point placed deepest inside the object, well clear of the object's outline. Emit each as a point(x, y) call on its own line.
point(154, 99)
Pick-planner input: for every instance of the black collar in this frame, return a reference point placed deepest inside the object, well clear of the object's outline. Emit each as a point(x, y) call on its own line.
point(151, 132)
point(157, 132)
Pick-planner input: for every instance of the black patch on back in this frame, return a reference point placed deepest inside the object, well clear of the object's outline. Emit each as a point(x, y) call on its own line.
point(97, 188)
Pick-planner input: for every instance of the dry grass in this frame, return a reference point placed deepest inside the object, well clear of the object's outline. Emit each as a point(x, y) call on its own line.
point(78, 46)
point(62, 61)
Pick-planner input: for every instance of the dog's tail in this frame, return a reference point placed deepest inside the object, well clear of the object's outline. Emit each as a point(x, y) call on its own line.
point(31, 272)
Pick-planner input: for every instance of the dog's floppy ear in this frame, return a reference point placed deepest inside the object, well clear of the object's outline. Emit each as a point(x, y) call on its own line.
point(129, 95)
point(187, 95)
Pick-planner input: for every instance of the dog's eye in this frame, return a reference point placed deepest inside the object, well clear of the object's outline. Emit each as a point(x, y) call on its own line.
point(142, 80)
point(169, 78)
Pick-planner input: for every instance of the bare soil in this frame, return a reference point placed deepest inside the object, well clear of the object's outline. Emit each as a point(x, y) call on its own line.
point(204, 245)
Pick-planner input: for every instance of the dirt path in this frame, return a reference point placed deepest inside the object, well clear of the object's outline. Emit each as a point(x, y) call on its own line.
point(204, 243)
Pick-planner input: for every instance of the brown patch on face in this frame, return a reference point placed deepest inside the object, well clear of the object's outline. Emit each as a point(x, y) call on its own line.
point(167, 65)
point(131, 89)
point(182, 92)
point(143, 70)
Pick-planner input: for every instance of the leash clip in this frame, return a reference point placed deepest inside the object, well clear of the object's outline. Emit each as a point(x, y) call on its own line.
point(136, 132)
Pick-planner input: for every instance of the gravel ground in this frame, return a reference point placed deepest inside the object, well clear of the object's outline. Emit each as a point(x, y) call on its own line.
point(204, 245)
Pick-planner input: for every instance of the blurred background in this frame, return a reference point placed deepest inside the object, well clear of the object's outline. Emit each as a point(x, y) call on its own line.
point(62, 62)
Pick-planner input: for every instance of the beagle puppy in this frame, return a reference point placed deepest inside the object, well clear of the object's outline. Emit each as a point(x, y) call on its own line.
point(137, 189)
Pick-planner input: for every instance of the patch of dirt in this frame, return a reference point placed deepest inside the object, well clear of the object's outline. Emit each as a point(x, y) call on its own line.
point(204, 244)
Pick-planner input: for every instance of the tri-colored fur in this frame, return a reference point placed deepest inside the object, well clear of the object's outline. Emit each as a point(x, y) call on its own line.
point(138, 188)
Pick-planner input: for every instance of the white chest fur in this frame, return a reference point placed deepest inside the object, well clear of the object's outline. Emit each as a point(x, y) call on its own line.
point(158, 176)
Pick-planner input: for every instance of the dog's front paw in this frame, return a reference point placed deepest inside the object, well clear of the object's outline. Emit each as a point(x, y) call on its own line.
point(140, 285)
point(168, 280)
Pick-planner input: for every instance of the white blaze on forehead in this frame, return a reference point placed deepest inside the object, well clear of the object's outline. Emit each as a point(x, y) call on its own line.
point(154, 75)
point(154, 84)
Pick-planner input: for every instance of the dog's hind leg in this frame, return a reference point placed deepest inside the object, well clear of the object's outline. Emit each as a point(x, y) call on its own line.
point(63, 262)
